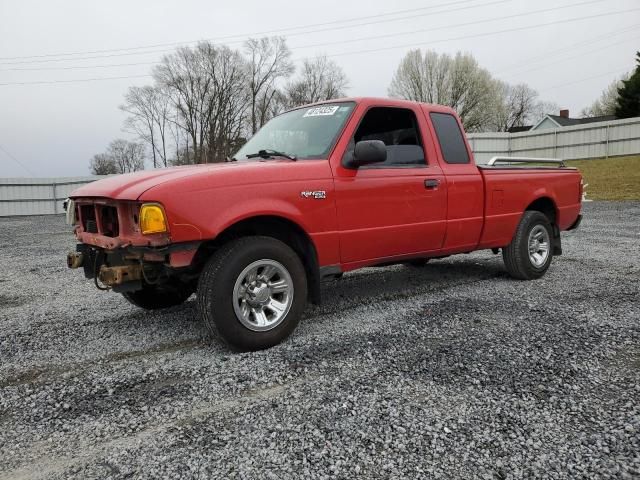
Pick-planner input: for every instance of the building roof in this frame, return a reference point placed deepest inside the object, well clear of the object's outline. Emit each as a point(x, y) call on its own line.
point(567, 122)
point(524, 128)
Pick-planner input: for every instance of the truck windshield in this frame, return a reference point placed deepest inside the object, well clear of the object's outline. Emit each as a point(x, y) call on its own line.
point(304, 133)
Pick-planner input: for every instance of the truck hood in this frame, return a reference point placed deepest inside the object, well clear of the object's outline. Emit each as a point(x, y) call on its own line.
point(131, 186)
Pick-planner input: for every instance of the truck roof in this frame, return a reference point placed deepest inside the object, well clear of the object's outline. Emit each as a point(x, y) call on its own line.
point(385, 101)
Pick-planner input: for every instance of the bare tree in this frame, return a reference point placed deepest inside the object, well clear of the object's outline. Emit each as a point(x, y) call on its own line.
point(180, 141)
point(103, 164)
point(149, 109)
point(228, 101)
point(279, 103)
point(268, 104)
point(482, 102)
point(515, 106)
point(320, 79)
point(127, 156)
point(269, 61)
point(471, 91)
point(458, 82)
point(207, 99)
point(608, 100)
point(207, 86)
point(542, 109)
point(183, 75)
point(425, 78)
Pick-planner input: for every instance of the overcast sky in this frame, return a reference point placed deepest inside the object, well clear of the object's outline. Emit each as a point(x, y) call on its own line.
point(53, 129)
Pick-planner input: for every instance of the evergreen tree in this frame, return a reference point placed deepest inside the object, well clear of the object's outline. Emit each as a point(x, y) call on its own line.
point(629, 94)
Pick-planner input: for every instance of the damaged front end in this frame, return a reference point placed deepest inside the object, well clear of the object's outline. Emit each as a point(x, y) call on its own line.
point(125, 246)
point(113, 269)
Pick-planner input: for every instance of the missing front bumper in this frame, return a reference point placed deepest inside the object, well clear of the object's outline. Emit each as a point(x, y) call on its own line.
point(114, 276)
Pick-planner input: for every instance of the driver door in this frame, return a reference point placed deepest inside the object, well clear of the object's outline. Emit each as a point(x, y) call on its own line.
point(395, 208)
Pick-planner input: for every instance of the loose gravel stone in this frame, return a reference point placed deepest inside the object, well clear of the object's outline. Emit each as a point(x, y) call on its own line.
point(452, 370)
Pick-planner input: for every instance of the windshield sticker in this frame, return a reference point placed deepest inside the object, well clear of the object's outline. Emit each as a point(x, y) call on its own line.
point(319, 111)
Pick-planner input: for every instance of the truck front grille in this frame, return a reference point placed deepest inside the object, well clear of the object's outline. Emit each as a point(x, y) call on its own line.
point(109, 221)
point(102, 219)
point(88, 216)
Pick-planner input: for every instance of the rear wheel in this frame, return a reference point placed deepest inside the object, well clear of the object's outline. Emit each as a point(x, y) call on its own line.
point(153, 297)
point(530, 253)
point(252, 292)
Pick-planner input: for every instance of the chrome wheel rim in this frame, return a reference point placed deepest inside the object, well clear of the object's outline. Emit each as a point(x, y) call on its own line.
point(262, 295)
point(539, 245)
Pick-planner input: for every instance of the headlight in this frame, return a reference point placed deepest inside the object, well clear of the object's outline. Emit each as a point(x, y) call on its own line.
point(70, 208)
point(152, 219)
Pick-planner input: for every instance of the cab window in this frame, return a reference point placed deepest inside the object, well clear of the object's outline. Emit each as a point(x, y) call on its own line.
point(450, 138)
point(398, 129)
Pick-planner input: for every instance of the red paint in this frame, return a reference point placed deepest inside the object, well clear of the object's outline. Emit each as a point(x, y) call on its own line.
point(369, 216)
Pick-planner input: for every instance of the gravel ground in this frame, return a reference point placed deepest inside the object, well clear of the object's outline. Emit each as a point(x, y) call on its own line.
point(448, 371)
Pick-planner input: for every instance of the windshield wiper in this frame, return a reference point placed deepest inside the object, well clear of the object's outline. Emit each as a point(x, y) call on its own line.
point(271, 154)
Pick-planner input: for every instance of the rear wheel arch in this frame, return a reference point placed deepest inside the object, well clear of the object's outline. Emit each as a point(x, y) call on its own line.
point(277, 227)
point(530, 245)
point(547, 206)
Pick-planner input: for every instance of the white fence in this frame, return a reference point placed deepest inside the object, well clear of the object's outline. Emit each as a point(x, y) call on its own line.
point(41, 196)
point(37, 196)
point(591, 140)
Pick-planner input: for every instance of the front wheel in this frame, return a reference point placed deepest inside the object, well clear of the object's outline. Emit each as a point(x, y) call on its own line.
point(530, 253)
point(252, 292)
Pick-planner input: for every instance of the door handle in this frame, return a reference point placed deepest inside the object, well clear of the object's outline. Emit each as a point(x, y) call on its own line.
point(431, 183)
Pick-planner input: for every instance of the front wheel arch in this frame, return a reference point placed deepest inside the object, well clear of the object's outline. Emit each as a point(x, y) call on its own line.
point(280, 228)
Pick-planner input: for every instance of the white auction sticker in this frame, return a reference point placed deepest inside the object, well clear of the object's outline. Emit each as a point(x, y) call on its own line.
point(319, 111)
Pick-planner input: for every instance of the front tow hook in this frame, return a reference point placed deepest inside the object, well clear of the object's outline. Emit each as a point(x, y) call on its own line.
point(75, 259)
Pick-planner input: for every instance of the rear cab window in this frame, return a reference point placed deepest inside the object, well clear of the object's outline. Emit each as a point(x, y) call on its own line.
point(450, 138)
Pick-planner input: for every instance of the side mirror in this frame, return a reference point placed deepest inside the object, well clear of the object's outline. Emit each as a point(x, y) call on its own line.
point(367, 152)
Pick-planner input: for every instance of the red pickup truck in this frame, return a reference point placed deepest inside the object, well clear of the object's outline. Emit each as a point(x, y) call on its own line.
point(320, 190)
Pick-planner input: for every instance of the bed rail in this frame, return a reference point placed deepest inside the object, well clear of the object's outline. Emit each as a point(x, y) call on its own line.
point(554, 161)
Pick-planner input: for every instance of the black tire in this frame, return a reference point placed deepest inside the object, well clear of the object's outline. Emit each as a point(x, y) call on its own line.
point(517, 259)
point(417, 262)
point(154, 297)
point(216, 286)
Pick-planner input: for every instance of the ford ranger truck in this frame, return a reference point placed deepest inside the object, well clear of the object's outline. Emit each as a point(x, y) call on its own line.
point(318, 191)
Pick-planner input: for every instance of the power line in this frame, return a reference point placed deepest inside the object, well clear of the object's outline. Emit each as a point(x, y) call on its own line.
point(568, 48)
point(97, 79)
point(246, 35)
point(613, 72)
point(518, 68)
point(353, 19)
point(78, 67)
point(17, 161)
point(546, 64)
point(86, 58)
point(292, 48)
point(442, 27)
point(485, 34)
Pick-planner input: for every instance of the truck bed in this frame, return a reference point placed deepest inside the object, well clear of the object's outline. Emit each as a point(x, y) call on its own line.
point(508, 190)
